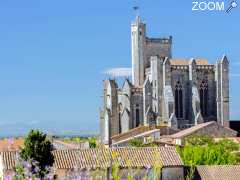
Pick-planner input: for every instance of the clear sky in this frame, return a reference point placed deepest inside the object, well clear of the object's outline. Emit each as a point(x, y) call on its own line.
point(53, 53)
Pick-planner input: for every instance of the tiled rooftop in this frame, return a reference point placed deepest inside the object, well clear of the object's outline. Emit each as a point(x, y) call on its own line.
point(11, 144)
point(219, 172)
point(103, 158)
point(8, 159)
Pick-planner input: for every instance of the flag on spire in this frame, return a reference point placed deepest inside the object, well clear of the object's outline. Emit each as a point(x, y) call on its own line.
point(135, 8)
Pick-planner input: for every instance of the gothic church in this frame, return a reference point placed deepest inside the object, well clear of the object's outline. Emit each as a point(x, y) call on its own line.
point(164, 91)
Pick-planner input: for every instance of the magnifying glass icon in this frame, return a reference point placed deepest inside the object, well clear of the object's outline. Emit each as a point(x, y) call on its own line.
point(233, 4)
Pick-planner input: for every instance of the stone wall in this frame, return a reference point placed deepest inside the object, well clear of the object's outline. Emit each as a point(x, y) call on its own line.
point(172, 173)
point(167, 173)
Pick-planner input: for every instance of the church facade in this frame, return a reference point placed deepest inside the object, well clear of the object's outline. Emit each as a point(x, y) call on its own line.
point(164, 91)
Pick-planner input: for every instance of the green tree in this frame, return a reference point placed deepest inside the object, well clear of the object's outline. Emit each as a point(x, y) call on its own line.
point(204, 151)
point(38, 148)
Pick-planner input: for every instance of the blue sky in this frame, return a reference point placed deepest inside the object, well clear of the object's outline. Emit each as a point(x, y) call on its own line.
point(53, 53)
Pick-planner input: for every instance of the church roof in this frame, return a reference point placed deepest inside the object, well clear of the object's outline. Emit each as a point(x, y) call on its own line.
point(141, 129)
point(186, 62)
point(191, 130)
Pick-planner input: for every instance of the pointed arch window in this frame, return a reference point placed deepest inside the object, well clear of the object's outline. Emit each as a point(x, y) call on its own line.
point(204, 98)
point(178, 100)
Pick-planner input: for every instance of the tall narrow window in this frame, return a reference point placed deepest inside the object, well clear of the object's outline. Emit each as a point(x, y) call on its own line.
point(119, 121)
point(204, 98)
point(120, 110)
point(178, 100)
point(137, 118)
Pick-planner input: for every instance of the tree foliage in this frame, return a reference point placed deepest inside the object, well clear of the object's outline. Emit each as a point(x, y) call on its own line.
point(78, 139)
point(92, 142)
point(199, 140)
point(38, 148)
point(204, 151)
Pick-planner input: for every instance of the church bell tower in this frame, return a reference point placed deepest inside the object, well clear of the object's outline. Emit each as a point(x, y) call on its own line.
point(138, 37)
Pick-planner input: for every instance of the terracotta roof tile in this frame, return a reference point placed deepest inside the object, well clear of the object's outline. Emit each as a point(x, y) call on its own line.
point(219, 172)
point(124, 157)
point(102, 158)
point(11, 144)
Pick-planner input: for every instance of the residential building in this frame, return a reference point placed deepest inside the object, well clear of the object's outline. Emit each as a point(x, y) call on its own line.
point(90, 162)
